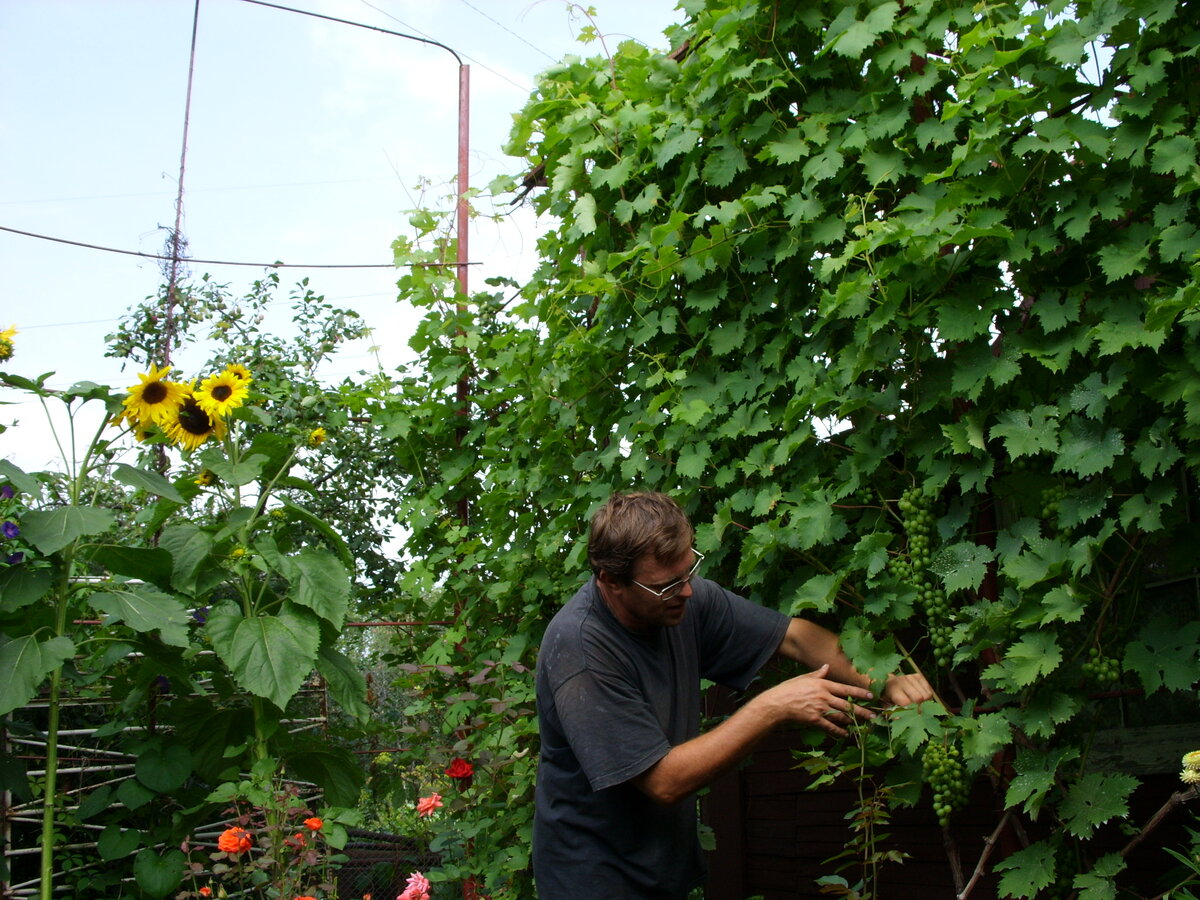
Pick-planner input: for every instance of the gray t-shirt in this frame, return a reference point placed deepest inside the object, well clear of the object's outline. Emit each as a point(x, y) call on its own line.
point(611, 704)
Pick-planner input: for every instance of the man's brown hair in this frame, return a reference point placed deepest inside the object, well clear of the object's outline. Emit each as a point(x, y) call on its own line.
point(631, 525)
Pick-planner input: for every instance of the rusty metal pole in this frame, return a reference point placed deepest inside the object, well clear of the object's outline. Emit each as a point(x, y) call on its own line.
point(464, 147)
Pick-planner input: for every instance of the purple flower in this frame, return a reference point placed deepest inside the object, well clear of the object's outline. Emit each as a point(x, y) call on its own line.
point(6, 492)
point(14, 558)
point(164, 684)
point(11, 530)
point(200, 616)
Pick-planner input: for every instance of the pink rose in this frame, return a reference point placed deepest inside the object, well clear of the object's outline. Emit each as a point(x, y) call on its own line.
point(426, 805)
point(417, 887)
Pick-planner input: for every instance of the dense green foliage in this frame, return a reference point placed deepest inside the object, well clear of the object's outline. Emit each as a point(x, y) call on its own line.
point(822, 256)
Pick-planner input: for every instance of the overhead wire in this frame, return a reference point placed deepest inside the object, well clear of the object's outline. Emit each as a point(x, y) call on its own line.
point(509, 30)
point(384, 12)
point(277, 264)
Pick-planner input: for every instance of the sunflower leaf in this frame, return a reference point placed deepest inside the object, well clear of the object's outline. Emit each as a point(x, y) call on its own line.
point(269, 656)
point(144, 609)
point(51, 530)
point(235, 473)
point(24, 662)
point(151, 482)
point(320, 582)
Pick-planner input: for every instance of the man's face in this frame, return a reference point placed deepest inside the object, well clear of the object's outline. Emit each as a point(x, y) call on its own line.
point(636, 604)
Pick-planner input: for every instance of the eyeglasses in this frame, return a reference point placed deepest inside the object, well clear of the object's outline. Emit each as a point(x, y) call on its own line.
point(674, 587)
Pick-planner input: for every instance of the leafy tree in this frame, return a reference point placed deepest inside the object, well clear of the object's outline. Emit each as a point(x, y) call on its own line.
point(900, 300)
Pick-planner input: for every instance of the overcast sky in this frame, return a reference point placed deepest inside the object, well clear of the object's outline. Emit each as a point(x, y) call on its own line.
point(305, 141)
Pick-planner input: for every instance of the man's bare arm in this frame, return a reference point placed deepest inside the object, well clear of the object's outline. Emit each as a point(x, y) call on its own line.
point(810, 699)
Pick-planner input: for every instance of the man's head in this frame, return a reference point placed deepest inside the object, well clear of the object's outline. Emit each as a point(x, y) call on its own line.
point(641, 551)
point(632, 526)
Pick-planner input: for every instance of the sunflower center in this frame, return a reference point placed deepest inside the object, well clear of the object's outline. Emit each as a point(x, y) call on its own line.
point(154, 392)
point(193, 419)
point(222, 392)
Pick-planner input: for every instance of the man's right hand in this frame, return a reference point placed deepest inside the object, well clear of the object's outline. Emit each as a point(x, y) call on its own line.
point(813, 699)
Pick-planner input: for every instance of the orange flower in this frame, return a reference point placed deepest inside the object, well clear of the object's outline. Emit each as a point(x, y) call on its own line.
point(313, 824)
point(205, 891)
point(306, 897)
point(426, 805)
point(234, 841)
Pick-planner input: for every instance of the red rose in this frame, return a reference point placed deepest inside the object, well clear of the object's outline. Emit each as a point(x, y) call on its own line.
point(460, 768)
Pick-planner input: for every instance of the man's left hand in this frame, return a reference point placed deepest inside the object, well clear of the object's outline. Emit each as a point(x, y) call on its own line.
point(904, 690)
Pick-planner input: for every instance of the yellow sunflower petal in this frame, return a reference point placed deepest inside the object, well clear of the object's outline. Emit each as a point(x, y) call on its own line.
point(220, 394)
point(192, 426)
point(154, 400)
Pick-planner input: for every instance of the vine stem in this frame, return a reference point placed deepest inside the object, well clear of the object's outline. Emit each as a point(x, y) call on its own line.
point(1174, 800)
point(989, 844)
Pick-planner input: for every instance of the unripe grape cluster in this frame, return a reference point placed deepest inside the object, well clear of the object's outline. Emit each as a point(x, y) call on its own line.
point(946, 776)
point(1103, 671)
point(1052, 498)
point(916, 512)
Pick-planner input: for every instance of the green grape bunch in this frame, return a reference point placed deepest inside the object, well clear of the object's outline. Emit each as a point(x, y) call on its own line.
point(1052, 498)
point(916, 512)
point(1102, 671)
point(946, 776)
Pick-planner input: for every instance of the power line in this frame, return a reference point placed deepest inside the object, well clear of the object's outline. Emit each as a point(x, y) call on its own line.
point(510, 31)
point(384, 12)
point(211, 190)
point(278, 264)
point(411, 37)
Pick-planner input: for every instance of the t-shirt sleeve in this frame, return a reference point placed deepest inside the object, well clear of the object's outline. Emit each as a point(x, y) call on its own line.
point(609, 725)
point(737, 637)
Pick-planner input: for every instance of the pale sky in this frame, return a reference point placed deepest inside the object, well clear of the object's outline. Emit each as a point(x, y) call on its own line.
point(306, 139)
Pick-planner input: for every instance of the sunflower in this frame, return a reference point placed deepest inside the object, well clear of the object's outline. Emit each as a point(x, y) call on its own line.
point(222, 393)
point(6, 343)
point(191, 426)
point(240, 371)
point(317, 437)
point(155, 400)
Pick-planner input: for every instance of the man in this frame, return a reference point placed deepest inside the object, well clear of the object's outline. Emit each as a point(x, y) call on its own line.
point(618, 696)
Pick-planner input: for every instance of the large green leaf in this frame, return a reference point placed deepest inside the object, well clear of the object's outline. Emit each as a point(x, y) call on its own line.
point(163, 768)
point(190, 548)
point(16, 476)
point(335, 770)
point(1166, 654)
point(1100, 882)
point(1095, 799)
point(144, 609)
point(146, 480)
point(961, 566)
point(51, 530)
point(1033, 656)
point(153, 564)
point(116, 842)
point(23, 585)
point(1027, 871)
point(319, 582)
point(331, 536)
point(24, 664)
point(239, 472)
point(269, 656)
point(159, 875)
point(346, 683)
